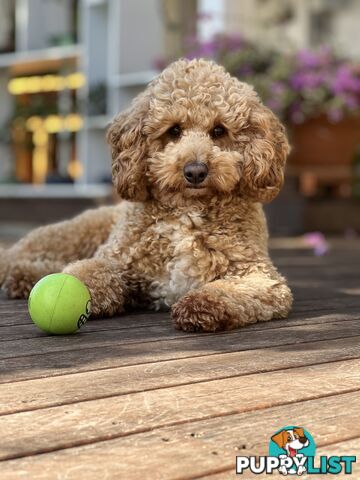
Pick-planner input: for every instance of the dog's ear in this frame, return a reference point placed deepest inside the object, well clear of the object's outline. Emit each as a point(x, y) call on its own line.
point(300, 432)
point(128, 149)
point(280, 438)
point(264, 155)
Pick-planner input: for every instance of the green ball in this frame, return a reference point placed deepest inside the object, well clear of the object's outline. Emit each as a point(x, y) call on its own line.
point(59, 304)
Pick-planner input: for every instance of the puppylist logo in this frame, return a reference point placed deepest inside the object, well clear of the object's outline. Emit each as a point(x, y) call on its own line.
point(292, 452)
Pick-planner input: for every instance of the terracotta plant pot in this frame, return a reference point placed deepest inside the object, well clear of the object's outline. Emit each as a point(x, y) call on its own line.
point(318, 142)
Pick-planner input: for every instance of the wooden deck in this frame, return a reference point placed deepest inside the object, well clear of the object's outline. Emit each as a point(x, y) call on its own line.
point(131, 398)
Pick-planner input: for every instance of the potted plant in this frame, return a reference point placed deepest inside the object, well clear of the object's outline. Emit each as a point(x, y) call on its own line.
point(317, 94)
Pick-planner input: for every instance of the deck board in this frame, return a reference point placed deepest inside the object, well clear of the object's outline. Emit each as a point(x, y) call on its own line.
point(117, 416)
point(169, 452)
point(55, 358)
point(132, 398)
point(66, 389)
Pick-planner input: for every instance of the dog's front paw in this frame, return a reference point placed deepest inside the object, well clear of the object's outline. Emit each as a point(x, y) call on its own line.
point(199, 311)
point(19, 281)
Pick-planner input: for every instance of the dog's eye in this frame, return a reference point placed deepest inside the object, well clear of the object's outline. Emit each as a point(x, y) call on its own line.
point(175, 131)
point(218, 131)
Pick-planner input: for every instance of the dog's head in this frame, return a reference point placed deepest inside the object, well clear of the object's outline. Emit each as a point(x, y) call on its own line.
point(291, 440)
point(197, 133)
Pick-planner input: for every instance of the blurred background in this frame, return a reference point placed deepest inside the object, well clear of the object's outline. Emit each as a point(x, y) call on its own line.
point(68, 66)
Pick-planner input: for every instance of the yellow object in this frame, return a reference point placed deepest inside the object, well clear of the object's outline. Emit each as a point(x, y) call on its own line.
point(75, 169)
point(46, 83)
point(53, 123)
point(73, 122)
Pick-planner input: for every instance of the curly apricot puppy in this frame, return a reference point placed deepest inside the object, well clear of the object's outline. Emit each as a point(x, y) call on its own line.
point(194, 157)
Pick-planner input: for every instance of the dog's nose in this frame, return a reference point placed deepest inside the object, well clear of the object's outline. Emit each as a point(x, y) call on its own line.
point(195, 172)
point(302, 440)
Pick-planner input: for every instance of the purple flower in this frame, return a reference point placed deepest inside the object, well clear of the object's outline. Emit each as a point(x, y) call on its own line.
point(321, 249)
point(308, 80)
point(351, 101)
point(277, 88)
point(208, 49)
point(309, 59)
point(274, 104)
point(345, 80)
point(235, 42)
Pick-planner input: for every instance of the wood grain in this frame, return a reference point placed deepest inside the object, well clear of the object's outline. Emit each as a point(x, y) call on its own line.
point(192, 449)
point(66, 389)
point(93, 420)
point(45, 356)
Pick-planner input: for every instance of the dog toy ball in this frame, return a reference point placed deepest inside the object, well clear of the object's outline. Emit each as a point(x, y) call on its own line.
point(59, 304)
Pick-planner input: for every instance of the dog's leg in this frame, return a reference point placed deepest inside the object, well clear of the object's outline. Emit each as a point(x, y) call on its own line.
point(4, 264)
point(23, 275)
point(232, 302)
point(49, 249)
point(105, 282)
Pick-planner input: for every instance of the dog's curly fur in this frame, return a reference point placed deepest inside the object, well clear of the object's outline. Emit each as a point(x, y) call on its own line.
point(202, 251)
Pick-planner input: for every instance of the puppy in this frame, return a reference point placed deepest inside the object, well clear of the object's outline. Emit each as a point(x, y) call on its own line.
point(193, 159)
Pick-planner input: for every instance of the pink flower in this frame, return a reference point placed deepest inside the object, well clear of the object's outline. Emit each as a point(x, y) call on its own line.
point(317, 241)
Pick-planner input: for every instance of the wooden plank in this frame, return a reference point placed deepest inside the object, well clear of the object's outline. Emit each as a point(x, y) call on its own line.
point(191, 449)
point(15, 313)
point(28, 330)
point(86, 422)
point(14, 306)
point(43, 343)
point(4, 301)
point(300, 268)
point(309, 297)
point(341, 308)
point(326, 274)
point(320, 266)
point(324, 306)
point(66, 389)
point(89, 353)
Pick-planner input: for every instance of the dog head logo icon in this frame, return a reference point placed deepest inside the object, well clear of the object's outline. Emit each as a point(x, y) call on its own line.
point(292, 445)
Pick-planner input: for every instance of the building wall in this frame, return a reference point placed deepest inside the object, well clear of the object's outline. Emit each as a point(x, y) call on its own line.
point(287, 24)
